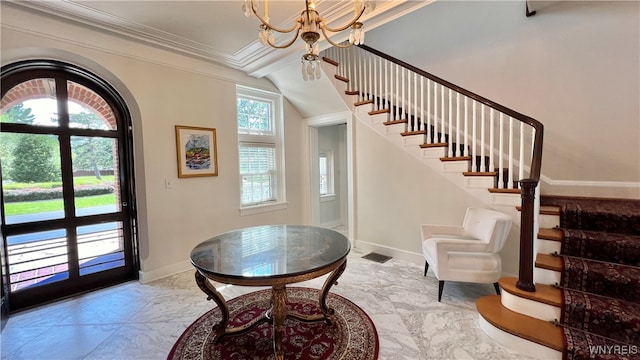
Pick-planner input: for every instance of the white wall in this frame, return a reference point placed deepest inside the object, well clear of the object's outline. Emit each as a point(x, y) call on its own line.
point(396, 193)
point(162, 90)
point(575, 66)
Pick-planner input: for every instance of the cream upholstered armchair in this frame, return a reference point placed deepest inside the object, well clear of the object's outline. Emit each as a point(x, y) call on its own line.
point(467, 253)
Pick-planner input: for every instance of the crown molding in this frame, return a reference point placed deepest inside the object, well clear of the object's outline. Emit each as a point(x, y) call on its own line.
point(84, 15)
point(254, 59)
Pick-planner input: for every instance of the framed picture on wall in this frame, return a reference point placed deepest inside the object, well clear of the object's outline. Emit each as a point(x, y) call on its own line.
point(196, 151)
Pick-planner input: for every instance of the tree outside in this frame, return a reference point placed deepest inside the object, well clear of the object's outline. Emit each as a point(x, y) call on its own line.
point(28, 158)
point(31, 162)
point(16, 114)
point(90, 153)
point(33, 159)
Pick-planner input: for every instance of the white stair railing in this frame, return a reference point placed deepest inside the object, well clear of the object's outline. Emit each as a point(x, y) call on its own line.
point(449, 116)
point(442, 113)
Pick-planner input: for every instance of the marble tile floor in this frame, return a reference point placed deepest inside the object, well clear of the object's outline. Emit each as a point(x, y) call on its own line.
point(135, 321)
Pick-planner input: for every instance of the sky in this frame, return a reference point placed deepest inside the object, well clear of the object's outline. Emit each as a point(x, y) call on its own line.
point(45, 109)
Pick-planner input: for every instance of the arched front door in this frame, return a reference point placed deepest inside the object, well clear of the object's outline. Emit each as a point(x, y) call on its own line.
point(68, 209)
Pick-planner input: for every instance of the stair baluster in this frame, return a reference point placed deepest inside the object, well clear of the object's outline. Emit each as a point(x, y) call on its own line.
point(392, 86)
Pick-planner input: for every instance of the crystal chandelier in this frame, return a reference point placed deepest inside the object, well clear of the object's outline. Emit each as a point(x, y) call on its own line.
point(308, 27)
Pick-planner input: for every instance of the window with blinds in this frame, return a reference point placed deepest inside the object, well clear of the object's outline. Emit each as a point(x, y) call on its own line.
point(259, 147)
point(258, 172)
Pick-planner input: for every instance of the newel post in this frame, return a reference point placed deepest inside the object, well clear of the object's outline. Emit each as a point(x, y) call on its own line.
point(525, 274)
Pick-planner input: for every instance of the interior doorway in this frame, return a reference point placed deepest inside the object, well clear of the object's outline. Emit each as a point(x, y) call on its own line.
point(332, 167)
point(331, 174)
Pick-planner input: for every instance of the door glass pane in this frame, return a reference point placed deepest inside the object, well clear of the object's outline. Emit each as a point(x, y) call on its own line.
point(37, 258)
point(31, 177)
point(100, 247)
point(94, 179)
point(87, 110)
point(31, 102)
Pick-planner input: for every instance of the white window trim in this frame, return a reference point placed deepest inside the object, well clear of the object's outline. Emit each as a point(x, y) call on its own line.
point(276, 138)
point(257, 209)
point(328, 197)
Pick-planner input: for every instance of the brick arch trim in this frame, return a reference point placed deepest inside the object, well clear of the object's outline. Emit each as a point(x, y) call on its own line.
point(45, 88)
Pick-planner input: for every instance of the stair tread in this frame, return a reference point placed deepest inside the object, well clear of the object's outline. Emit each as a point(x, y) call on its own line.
point(394, 122)
point(434, 145)
point(549, 262)
point(342, 78)
point(526, 327)
point(504, 191)
point(363, 102)
point(550, 210)
point(381, 111)
point(456, 158)
point(544, 293)
point(417, 132)
point(330, 61)
point(545, 210)
point(480, 173)
point(550, 234)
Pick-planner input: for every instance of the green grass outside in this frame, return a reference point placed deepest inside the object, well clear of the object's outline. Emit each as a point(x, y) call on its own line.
point(79, 180)
point(34, 207)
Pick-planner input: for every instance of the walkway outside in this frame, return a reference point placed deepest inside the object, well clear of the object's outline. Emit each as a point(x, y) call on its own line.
point(39, 258)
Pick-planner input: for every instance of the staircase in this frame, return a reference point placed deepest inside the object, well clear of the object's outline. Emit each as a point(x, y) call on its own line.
point(587, 273)
point(524, 320)
point(491, 152)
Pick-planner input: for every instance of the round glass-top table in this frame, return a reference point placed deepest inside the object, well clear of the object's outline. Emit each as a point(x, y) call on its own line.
point(270, 255)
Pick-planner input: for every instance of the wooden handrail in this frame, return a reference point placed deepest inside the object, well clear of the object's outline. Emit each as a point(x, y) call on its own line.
point(528, 185)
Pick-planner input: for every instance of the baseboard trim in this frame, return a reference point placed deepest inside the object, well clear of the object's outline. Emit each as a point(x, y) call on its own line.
point(165, 271)
point(409, 256)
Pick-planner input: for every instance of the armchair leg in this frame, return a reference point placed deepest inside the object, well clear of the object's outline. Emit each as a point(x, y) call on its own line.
point(440, 287)
point(426, 267)
point(497, 287)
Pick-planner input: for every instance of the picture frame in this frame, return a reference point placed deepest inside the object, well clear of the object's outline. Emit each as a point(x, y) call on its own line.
point(196, 151)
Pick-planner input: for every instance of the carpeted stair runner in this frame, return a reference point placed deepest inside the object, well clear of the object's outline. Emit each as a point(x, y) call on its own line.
point(597, 245)
point(600, 277)
point(619, 216)
point(602, 216)
point(583, 345)
point(613, 318)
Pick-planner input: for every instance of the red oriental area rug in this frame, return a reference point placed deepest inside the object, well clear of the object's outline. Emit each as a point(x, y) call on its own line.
point(352, 336)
